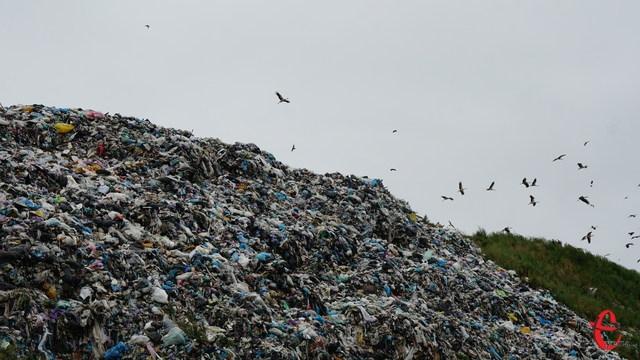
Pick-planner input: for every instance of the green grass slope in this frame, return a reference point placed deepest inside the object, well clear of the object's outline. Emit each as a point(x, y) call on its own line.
point(569, 273)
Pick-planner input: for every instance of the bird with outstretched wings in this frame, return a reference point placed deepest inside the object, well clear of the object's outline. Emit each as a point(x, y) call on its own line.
point(282, 98)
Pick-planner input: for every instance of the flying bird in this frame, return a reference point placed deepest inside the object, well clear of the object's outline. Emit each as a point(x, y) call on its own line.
point(507, 229)
point(534, 182)
point(591, 183)
point(632, 215)
point(593, 227)
point(585, 143)
point(584, 200)
point(394, 131)
point(446, 198)
point(635, 237)
point(629, 244)
point(559, 157)
point(533, 200)
point(451, 224)
point(147, 26)
point(392, 169)
point(491, 186)
point(631, 233)
point(587, 237)
point(524, 182)
point(293, 147)
point(580, 166)
point(282, 99)
point(460, 188)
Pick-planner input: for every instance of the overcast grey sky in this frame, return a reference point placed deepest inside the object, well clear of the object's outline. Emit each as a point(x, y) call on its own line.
point(478, 91)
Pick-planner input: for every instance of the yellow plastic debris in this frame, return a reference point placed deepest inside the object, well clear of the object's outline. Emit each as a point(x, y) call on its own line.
point(525, 330)
point(513, 317)
point(413, 217)
point(49, 290)
point(64, 128)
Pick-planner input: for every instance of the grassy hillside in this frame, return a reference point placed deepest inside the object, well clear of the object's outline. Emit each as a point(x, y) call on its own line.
point(569, 273)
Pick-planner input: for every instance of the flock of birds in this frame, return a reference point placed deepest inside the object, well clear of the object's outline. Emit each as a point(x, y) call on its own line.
point(527, 184)
point(534, 202)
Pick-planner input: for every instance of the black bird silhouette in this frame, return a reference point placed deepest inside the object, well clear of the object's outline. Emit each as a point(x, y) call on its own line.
point(632, 215)
point(584, 200)
point(591, 184)
point(587, 237)
point(394, 131)
point(533, 200)
point(446, 198)
point(533, 183)
point(629, 244)
point(293, 147)
point(460, 188)
point(491, 186)
point(282, 99)
point(593, 227)
point(147, 26)
point(524, 182)
point(507, 229)
point(585, 143)
point(392, 169)
point(631, 233)
point(559, 157)
point(580, 166)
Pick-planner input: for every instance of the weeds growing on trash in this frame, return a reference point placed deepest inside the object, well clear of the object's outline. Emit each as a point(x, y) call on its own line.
point(568, 272)
point(8, 353)
point(193, 328)
point(124, 240)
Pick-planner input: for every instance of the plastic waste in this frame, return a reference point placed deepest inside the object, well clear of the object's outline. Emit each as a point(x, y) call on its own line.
point(160, 295)
point(175, 336)
point(116, 352)
point(64, 128)
point(115, 229)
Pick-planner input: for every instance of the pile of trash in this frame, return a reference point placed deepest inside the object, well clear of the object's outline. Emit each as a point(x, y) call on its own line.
point(125, 240)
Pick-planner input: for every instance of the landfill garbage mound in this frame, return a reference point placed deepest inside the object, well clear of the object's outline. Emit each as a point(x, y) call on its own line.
point(125, 240)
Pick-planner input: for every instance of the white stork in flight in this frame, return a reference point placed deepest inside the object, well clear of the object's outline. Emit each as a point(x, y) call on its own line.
point(460, 188)
point(559, 157)
point(282, 99)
